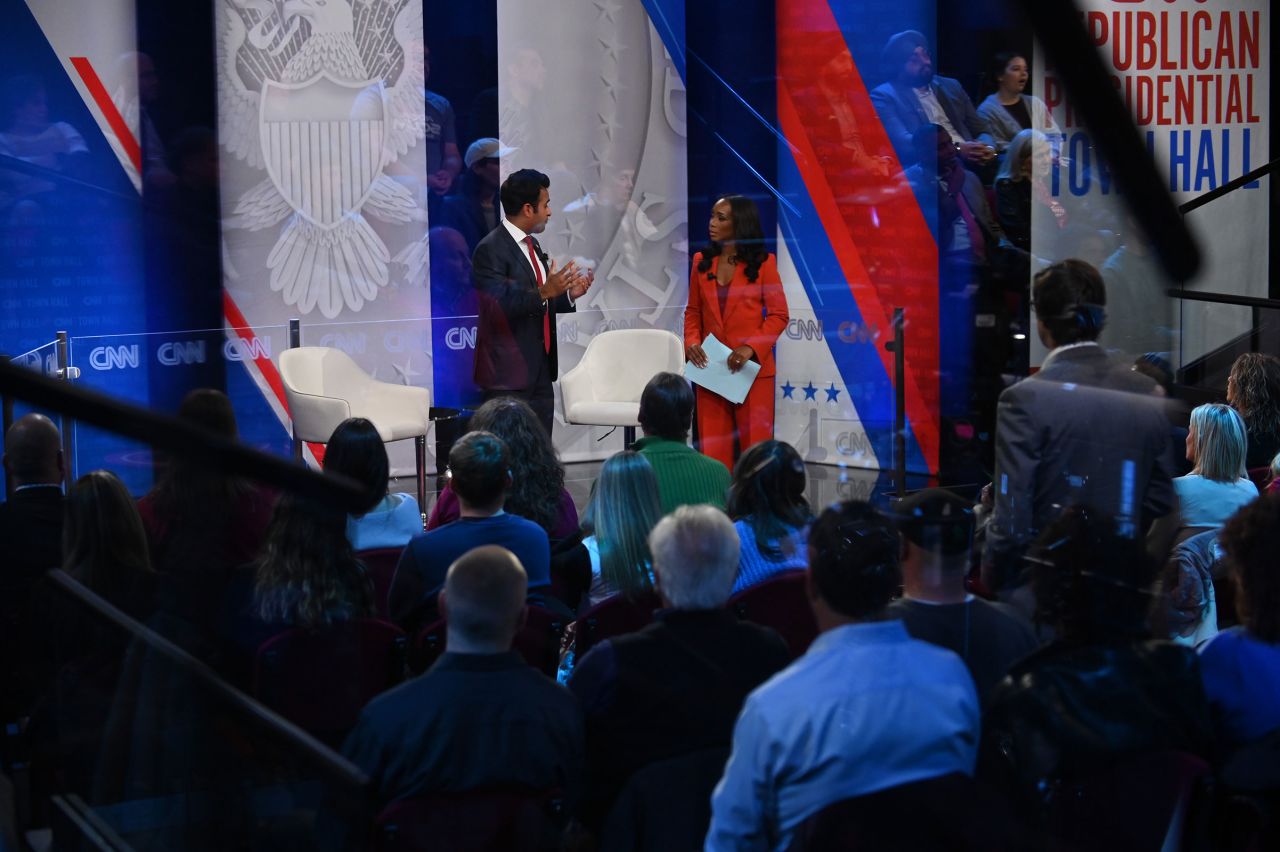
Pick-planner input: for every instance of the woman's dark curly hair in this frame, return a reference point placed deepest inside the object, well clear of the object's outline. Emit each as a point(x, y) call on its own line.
point(537, 477)
point(1251, 539)
point(1255, 392)
point(748, 237)
point(308, 575)
point(768, 493)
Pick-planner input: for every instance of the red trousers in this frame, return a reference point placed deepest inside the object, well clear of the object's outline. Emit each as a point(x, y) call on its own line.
point(719, 420)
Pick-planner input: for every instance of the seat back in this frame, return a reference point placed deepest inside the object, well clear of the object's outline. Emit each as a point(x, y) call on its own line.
point(320, 680)
point(952, 811)
point(613, 616)
point(472, 821)
point(621, 362)
point(782, 603)
point(665, 805)
point(1145, 801)
point(322, 371)
point(381, 564)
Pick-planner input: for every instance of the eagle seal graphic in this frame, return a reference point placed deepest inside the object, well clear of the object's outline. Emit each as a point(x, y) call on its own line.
point(322, 95)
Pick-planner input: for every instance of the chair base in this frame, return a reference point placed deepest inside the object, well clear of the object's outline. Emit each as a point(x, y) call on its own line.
point(628, 437)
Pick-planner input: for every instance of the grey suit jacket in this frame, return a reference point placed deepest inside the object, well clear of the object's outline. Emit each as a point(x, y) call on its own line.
point(901, 114)
point(1084, 430)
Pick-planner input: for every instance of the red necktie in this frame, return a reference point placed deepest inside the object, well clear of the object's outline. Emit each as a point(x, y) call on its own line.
point(546, 314)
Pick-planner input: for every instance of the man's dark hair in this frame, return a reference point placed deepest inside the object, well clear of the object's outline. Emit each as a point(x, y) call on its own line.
point(666, 407)
point(520, 188)
point(1070, 299)
point(853, 559)
point(479, 465)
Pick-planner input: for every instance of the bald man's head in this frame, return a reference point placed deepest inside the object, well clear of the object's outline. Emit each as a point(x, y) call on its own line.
point(33, 451)
point(483, 599)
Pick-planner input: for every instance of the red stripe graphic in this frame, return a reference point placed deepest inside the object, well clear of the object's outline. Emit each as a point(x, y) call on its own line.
point(876, 230)
point(109, 111)
point(264, 364)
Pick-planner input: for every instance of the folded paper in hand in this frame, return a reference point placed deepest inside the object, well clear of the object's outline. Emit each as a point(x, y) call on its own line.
point(716, 376)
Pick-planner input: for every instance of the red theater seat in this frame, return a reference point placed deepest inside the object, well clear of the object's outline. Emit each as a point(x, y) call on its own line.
point(780, 602)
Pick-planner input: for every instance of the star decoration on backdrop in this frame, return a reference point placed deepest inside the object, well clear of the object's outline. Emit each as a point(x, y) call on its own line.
point(572, 231)
point(832, 393)
point(810, 392)
point(608, 8)
point(611, 48)
point(608, 123)
point(598, 161)
point(612, 86)
point(788, 391)
point(405, 371)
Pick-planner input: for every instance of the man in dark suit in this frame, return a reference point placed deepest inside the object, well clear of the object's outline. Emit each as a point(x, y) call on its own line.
point(676, 686)
point(31, 529)
point(520, 292)
point(914, 96)
point(1084, 430)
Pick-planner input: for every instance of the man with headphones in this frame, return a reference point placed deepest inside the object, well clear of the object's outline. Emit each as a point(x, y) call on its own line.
point(1084, 430)
point(936, 528)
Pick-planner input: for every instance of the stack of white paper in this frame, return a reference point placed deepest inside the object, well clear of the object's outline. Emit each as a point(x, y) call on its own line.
point(716, 376)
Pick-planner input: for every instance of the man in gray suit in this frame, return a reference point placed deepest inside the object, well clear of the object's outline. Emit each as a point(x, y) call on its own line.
point(914, 96)
point(1084, 430)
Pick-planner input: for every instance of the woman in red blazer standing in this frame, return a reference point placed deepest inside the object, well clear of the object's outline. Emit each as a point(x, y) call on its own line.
point(735, 294)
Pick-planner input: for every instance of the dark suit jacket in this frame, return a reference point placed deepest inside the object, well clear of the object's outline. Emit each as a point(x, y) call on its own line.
point(31, 530)
point(932, 198)
point(673, 688)
point(1083, 430)
point(509, 332)
point(901, 114)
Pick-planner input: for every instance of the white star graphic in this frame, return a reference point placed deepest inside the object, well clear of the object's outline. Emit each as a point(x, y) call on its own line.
point(572, 231)
point(609, 124)
point(405, 371)
point(597, 161)
point(613, 86)
point(611, 47)
point(608, 8)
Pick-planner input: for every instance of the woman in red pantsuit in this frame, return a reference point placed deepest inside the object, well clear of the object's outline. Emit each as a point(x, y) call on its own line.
point(735, 294)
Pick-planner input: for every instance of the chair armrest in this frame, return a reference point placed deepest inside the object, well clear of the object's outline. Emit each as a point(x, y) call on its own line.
point(387, 404)
point(315, 417)
point(575, 387)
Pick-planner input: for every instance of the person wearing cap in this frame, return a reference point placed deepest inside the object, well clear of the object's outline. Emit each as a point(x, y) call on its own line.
point(936, 528)
point(913, 95)
point(866, 708)
point(473, 208)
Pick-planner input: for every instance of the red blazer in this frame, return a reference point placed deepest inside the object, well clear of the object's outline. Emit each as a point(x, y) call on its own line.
point(755, 314)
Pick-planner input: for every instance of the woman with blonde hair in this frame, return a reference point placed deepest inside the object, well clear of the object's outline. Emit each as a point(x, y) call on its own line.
point(1022, 183)
point(1216, 486)
point(623, 510)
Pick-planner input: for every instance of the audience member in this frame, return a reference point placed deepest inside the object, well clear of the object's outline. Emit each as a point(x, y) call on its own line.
point(473, 209)
point(537, 489)
point(769, 511)
point(307, 576)
point(1022, 184)
point(1241, 665)
point(685, 476)
point(866, 708)
point(1009, 110)
point(104, 545)
point(1216, 486)
point(201, 523)
point(356, 450)
point(623, 510)
point(676, 686)
point(31, 528)
point(480, 717)
point(1101, 689)
point(481, 466)
point(441, 139)
point(937, 542)
point(914, 96)
point(1084, 429)
point(1253, 389)
point(1188, 611)
point(31, 519)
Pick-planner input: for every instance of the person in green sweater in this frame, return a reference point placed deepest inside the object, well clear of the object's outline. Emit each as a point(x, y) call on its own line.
point(685, 476)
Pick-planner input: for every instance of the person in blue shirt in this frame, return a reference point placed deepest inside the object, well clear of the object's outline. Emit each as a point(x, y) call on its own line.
point(865, 709)
point(480, 470)
point(769, 511)
point(355, 450)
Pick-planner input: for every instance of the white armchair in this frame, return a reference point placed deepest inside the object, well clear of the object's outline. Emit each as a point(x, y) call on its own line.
point(324, 386)
point(604, 388)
